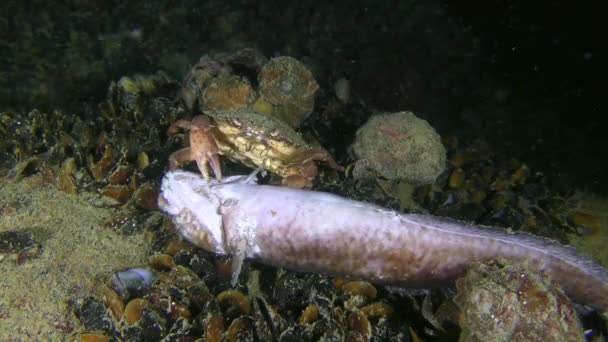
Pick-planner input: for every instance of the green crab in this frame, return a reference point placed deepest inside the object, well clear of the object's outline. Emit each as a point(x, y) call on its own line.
point(253, 139)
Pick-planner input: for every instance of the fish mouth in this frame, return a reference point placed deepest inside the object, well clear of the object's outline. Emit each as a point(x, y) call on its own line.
point(162, 201)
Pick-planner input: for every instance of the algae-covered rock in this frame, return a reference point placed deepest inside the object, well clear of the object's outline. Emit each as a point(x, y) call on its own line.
point(505, 301)
point(399, 146)
point(287, 89)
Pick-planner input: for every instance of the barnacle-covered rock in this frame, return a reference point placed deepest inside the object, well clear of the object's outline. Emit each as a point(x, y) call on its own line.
point(505, 301)
point(199, 77)
point(244, 59)
point(287, 90)
point(239, 65)
point(399, 146)
point(227, 92)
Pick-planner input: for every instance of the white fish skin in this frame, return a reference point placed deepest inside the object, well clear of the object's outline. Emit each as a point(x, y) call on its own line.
point(312, 231)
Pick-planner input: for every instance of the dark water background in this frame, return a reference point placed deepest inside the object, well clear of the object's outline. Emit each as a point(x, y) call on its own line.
point(528, 77)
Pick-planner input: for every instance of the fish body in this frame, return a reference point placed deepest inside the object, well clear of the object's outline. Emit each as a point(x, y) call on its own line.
point(320, 232)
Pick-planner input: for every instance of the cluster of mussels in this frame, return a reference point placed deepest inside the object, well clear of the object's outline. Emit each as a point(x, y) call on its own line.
point(484, 187)
point(114, 148)
point(186, 294)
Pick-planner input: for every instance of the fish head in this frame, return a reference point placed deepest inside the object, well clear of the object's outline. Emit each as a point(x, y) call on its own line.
point(190, 200)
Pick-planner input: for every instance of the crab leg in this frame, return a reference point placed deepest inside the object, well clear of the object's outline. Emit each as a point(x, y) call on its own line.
point(179, 156)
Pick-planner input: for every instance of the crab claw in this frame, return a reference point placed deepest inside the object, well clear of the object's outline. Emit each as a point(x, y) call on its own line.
point(204, 148)
point(212, 159)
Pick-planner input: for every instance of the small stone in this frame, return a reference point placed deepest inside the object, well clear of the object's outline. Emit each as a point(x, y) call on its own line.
point(342, 90)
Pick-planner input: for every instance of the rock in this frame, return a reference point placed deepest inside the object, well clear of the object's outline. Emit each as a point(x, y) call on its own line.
point(399, 146)
point(505, 301)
